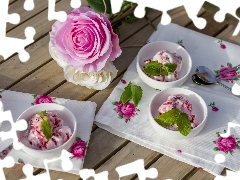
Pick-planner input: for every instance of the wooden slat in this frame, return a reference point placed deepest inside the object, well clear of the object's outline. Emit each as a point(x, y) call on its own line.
point(40, 81)
point(130, 153)
point(13, 70)
point(202, 175)
point(39, 22)
point(169, 168)
point(212, 28)
point(18, 8)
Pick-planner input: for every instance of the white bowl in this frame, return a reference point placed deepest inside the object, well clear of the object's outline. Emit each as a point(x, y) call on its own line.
point(199, 109)
point(148, 52)
point(68, 119)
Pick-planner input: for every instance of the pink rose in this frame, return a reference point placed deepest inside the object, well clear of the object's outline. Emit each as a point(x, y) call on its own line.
point(86, 40)
point(78, 149)
point(226, 144)
point(228, 74)
point(126, 110)
point(43, 99)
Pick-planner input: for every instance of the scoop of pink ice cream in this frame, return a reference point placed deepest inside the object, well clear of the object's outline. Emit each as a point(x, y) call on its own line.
point(181, 103)
point(60, 133)
point(164, 57)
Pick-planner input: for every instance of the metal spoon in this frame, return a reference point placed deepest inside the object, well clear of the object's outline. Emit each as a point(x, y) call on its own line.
point(209, 77)
point(199, 81)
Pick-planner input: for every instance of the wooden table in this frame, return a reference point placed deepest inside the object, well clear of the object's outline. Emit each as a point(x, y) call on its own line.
point(42, 75)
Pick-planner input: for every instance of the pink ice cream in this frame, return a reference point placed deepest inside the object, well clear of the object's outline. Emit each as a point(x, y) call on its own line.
point(164, 57)
point(60, 133)
point(181, 103)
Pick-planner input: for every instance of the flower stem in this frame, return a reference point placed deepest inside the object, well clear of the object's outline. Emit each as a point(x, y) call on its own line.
point(105, 7)
point(150, 22)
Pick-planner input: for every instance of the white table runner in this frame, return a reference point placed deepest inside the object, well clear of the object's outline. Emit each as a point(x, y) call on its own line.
point(199, 151)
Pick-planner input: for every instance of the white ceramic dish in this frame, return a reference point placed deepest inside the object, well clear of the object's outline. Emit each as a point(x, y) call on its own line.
point(199, 109)
point(149, 50)
point(65, 114)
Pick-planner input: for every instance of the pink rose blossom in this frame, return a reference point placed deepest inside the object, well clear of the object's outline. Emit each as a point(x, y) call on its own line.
point(86, 40)
point(228, 74)
point(78, 149)
point(43, 99)
point(126, 110)
point(226, 144)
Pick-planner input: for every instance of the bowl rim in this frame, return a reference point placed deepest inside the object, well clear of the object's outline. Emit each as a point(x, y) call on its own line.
point(59, 147)
point(170, 82)
point(177, 132)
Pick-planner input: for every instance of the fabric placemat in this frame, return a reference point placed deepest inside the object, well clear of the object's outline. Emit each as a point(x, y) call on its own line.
point(17, 102)
point(223, 107)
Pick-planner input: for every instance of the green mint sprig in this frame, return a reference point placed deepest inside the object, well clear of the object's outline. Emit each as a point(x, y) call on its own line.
point(155, 68)
point(175, 116)
point(46, 127)
point(131, 92)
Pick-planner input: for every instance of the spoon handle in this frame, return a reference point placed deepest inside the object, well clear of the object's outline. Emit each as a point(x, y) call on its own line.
point(223, 85)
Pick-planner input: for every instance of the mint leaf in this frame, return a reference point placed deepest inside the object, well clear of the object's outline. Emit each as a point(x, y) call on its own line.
point(183, 123)
point(42, 113)
point(136, 94)
point(152, 68)
point(175, 116)
point(127, 94)
point(46, 128)
point(170, 67)
point(167, 69)
point(167, 118)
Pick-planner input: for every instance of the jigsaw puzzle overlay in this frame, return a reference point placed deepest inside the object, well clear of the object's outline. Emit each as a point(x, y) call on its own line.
point(11, 45)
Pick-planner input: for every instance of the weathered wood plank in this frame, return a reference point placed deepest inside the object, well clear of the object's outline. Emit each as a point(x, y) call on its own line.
point(128, 154)
point(202, 175)
point(18, 8)
point(169, 168)
point(12, 71)
point(212, 28)
point(180, 16)
point(42, 80)
point(39, 22)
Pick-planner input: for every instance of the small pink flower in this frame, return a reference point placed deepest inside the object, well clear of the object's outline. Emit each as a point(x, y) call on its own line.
point(215, 109)
point(21, 162)
point(0, 96)
point(179, 151)
point(223, 46)
point(43, 99)
point(228, 74)
point(78, 149)
point(123, 81)
point(227, 144)
point(126, 110)
point(5, 152)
